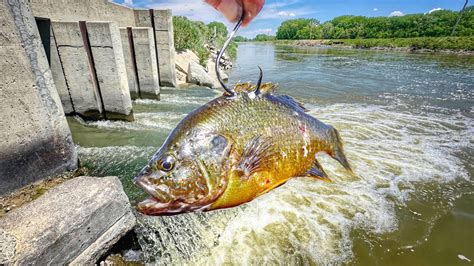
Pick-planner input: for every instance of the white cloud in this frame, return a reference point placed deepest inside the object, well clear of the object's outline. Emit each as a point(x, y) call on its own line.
point(128, 3)
point(376, 9)
point(396, 14)
point(286, 14)
point(434, 9)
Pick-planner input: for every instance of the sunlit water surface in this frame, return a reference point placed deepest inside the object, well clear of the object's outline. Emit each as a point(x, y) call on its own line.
point(407, 122)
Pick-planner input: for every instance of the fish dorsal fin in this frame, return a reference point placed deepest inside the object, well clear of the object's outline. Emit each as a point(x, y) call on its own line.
point(257, 154)
point(290, 101)
point(242, 87)
point(318, 172)
point(266, 88)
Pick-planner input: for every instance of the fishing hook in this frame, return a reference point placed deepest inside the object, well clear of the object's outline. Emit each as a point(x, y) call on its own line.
point(226, 44)
point(221, 52)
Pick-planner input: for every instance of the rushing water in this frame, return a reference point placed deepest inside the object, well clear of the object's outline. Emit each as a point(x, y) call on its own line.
point(407, 122)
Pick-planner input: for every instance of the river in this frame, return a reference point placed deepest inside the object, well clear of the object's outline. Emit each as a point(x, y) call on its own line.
point(407, 121)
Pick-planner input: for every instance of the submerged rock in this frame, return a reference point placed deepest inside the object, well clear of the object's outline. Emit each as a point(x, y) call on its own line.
point(75, 222)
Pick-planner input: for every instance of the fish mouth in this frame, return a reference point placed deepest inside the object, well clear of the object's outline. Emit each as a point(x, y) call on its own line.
point(157, 194)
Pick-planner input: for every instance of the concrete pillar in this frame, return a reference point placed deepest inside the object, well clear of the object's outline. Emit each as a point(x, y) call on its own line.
point(35, 140)
point(147, 67)
point(58, 76)
point(163, 22)
point(129, 63)
point(109, 64)
point(77, 70)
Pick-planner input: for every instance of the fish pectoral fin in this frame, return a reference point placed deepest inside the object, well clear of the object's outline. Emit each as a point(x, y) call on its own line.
point(257, 154)
point(318, 172)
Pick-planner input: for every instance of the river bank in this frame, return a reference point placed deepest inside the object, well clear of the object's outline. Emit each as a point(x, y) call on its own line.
point(442, 45)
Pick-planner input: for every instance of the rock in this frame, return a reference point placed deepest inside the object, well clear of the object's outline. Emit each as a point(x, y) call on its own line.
point(184, 58)
point(7, 247)
point(212, 71)
point(198, 75)
point(75, 222)
point(133, 255)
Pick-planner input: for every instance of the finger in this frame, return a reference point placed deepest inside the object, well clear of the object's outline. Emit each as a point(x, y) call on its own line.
point(251, 9)
point(231, 9)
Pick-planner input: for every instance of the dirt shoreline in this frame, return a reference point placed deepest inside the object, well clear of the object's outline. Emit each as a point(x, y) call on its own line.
point(35, 190)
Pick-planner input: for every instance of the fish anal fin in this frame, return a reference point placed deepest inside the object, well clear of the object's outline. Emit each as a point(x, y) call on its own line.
point(318, 172)
point(256, 157)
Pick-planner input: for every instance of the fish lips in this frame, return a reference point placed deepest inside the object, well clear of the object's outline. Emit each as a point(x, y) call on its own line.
point(143, 181)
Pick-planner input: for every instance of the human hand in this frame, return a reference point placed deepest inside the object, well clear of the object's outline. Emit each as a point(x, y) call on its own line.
point(233, 9)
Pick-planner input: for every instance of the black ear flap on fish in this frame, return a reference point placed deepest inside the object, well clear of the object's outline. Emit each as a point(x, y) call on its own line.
point(256, 155)
point(318, 172)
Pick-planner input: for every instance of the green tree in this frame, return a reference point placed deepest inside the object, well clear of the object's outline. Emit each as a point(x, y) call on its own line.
point(264, 38)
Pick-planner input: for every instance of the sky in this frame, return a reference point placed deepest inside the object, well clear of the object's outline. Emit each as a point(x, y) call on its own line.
point(276, 11)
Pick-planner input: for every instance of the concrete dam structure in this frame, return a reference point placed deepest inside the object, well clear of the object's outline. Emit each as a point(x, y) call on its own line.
point(88, 58)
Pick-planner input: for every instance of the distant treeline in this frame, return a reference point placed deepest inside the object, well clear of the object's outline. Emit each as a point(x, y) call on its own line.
point(195, 35)
point(435, 24)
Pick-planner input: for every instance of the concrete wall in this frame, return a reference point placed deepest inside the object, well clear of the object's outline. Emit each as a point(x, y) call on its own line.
point(147, 67)
point(109, 64)
point(58, 75)
point(163, 26)
point(129, 62)
point(87, 10)
point(35, 140)
point(77, 70)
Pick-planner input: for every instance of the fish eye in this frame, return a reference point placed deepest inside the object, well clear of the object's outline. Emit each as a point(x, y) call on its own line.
point(167, 163)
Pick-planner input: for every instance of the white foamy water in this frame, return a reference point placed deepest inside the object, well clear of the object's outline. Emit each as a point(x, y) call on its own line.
point(308, 221)
point(143, 121)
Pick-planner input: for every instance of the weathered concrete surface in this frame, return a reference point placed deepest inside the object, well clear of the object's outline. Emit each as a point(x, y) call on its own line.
point(75, 222)
point(87, 10)
point(35, 140)
point(129, 66)
point(109, 64)
point(165, 47)
point(147, 67)
point(198, 75)
point(58, 76)
point(142, 17)
point(77, 70)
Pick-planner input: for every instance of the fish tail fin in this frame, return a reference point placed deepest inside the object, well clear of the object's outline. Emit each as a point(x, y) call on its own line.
point(336, 150)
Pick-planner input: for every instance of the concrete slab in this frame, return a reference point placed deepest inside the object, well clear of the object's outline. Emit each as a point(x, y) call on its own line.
point(84, 10)
point(58, 76)
point(77, 70)
point(73, 223)
point(147, 67)
point(165, 47)
point(109, 64)
point(129, 65)
point(142, 17)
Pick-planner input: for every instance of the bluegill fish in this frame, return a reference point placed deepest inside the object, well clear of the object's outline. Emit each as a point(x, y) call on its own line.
point(234, 149)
